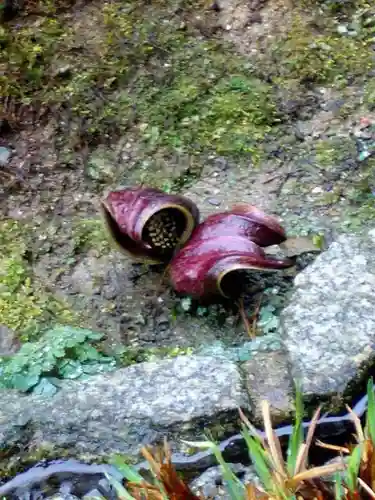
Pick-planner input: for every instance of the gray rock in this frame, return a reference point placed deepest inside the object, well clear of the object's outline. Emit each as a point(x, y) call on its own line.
point(93, 494)
point(209, 484)
point(123, 410)
point(63, 496)
point(5, 155)
point(329, 325)
point(212, 485)
point(267, 378)
point(9, 343)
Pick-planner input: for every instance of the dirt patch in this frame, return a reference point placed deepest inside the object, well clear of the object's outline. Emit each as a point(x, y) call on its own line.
point(251, 26)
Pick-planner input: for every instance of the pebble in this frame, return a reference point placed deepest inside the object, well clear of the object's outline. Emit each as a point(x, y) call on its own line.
point(214, 201)
point(5, 155)
point(342, 29)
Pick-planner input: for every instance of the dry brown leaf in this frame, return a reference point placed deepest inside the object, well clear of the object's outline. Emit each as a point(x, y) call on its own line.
point(161, 464)
point(301, 461)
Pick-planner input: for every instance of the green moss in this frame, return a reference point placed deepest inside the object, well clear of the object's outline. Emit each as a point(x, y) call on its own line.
point(321, 56)
point(361, 209)
point(131, 356)
point(24, 306)
point(90, 234)
point(369, 95)
point(14, 461)
point(330, 153)
point(230, 117)
point(26, 54)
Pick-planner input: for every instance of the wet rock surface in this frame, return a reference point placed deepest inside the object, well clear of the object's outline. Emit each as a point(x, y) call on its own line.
point(328, 327)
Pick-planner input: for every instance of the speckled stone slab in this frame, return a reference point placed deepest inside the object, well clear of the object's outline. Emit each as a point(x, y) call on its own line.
point(329, 325)
point(123, 410)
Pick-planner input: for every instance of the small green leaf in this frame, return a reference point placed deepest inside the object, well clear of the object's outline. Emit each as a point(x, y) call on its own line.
point(268, 321)
point(24, 382)
point(59, 352)
point(45, 388)
point(86, 352)
point(71, 370)
point(318, 241)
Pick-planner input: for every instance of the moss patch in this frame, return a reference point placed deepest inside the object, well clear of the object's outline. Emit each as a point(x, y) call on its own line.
point(24, 305)
point(332, 152)
point(369, 97)
point(361, 210)
point(317, 53)
point(132, 356)
point(140, 67)
point(90, 234)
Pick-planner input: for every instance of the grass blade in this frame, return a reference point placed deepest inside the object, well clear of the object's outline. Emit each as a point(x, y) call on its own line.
point(367, 488)
point(370, 419)
point(339, 488)
point(357, 424)
point(234, 486)
point(254, 431)
point(258, 457)
point(273, 441)
point(302, 456)
point(128, 472)
point(296, 438)
point(353, 467)
point(155, 468)
point(122, 493)
point(316, 472)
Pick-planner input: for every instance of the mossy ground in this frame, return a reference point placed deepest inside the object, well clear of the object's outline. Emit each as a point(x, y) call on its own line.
point(140, 67)
point(314, 52)
point(24, 305)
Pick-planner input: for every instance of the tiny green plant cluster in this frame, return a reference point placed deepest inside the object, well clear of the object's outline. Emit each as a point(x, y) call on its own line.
point(63, 352)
